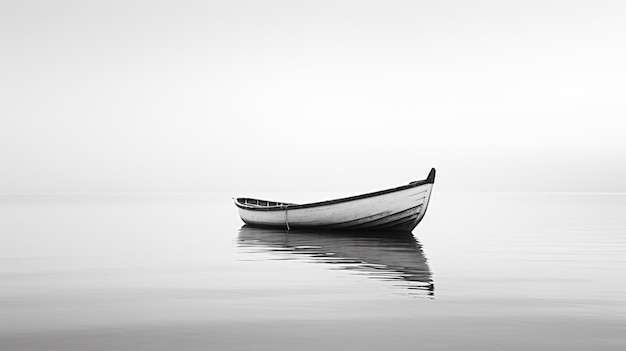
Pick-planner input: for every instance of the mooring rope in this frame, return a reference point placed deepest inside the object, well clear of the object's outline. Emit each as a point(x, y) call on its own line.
point(287, 218)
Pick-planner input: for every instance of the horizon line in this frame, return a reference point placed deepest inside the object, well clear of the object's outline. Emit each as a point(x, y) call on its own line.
point(310, 192)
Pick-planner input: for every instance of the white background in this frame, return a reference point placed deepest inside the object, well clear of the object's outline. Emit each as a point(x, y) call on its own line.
point(195, 96)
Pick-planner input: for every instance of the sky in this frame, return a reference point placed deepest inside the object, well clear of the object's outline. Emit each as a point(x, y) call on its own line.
point(244, 96)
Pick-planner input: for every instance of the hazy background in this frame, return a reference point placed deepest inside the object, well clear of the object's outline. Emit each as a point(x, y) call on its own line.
point(195, 96)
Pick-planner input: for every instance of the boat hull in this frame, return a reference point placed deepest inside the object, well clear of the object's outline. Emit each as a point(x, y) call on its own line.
point(398, 209)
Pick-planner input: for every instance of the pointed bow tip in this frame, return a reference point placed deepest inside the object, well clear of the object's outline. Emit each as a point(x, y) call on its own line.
point(431, 176)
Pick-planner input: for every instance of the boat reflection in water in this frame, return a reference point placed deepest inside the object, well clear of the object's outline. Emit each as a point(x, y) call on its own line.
point(389, 256)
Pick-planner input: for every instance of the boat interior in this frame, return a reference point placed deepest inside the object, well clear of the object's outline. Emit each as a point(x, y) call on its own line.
point(260, 203)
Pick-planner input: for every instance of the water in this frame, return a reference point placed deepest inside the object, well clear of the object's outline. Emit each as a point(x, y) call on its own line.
point(483, 271)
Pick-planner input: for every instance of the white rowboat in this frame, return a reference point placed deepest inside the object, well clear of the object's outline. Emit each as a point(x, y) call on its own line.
point(395, 209)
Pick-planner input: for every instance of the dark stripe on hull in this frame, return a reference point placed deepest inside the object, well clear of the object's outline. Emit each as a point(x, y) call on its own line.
point(357, 224)
point(404, 225)
point(404, 221)
point(373, 218)
point(394, 221)
point(398, 221)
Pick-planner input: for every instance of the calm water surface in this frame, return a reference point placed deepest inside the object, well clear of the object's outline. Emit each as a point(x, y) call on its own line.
point(483, 271)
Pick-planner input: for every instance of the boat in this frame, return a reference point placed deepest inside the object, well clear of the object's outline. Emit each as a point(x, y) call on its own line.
point(395, 209)
point(396, 257)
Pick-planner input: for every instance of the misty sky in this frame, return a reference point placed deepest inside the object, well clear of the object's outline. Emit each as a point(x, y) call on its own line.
point(190, 96)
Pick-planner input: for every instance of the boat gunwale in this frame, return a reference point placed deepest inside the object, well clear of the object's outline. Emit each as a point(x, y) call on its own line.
point(429, 180)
